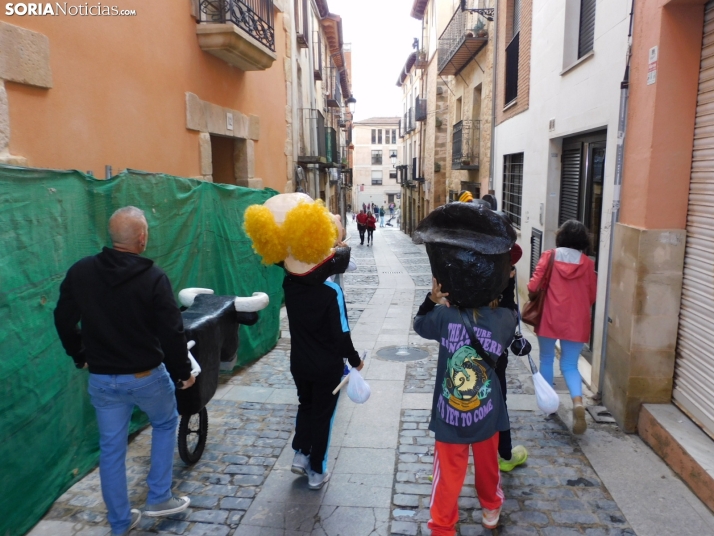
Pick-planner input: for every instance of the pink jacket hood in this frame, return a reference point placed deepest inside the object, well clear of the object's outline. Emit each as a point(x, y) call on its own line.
point(571, 264)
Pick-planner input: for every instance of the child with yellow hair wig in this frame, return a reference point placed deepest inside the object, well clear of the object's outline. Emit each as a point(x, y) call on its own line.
point(267, 236)
point(310, 232)
point(291, 228)
point(301, 232)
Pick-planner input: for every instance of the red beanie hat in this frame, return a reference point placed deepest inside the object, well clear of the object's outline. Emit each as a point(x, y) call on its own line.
point(516, 254)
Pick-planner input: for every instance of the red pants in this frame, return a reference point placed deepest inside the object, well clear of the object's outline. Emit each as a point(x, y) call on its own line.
point(450, 463)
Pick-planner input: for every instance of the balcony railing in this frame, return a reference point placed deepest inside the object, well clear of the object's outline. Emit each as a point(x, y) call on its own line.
point(420, 110)
point(411, 124)
point(464, 36)
point(317, 54)
point(345, 156)
point(252, 16)
point(313, 137)
point(332, 149)
point(333, 90)
point(466, 143)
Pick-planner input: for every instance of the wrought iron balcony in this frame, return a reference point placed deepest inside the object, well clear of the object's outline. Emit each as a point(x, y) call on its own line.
point(464, 37)
point(313, 137)
point(333, 90)
point(466, 145)
point(420, 110)
point(411, 124)
point(317, 54)
point(332, 147)
point(240, 32)
point(345, 156)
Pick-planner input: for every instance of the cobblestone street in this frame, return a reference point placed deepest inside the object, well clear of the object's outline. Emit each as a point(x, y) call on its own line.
point(381, 453)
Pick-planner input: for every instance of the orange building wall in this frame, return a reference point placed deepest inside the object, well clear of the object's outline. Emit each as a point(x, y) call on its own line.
point(660, 129)
point(118, 95)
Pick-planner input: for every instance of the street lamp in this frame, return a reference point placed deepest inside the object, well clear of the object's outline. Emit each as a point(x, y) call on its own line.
point(351, 101)
point(393, 158)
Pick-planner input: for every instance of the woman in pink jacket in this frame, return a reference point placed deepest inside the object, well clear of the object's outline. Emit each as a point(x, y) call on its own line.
point(566, 311)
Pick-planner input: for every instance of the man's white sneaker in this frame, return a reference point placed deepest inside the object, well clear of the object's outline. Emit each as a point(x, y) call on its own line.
point(300, 463)
point(316, 480)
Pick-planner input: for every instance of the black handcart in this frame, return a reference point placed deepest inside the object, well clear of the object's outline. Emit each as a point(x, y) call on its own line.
point(212, 322)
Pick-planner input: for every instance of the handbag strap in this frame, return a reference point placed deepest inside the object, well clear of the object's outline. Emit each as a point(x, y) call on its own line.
point(545, 282)
point(475, 343)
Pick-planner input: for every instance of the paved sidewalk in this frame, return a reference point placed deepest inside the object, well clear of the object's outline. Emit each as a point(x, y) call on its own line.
point(381, 452)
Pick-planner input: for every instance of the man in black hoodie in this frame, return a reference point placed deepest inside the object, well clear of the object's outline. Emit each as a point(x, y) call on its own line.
point(132, 341)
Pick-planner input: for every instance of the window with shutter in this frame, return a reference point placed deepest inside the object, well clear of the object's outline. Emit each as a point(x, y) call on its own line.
point(587, 27)
point(301, 23)
point(512, 51)
point(513, 187)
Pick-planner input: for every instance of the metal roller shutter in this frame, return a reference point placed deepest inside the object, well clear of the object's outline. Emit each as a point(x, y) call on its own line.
point(570, 185)
point(694, 367)
point(536, 245)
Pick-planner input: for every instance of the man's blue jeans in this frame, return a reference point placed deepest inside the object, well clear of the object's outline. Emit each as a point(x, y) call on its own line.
point(114, 398)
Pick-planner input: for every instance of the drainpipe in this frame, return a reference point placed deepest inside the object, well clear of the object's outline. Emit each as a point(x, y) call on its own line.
point(621, 129)
point(494, 70)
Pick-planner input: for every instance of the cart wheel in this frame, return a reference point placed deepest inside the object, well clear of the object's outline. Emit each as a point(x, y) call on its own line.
point(192, 434)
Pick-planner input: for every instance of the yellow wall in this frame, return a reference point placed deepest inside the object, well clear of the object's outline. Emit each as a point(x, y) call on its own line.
point(118, 94)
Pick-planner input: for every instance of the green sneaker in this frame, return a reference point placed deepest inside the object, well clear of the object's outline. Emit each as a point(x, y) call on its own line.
point(519, 455)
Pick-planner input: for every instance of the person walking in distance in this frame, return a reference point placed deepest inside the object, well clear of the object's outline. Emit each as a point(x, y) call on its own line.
point(371, 226)
point(361, 226)
point(568, 301)
point(381, 216)
point(132, 341)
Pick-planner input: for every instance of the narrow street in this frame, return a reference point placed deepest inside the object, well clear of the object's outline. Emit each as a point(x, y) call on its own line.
point(381, 452)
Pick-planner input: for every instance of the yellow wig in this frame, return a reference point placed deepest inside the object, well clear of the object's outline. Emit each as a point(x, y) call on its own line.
point(310, 232)
point(268, 237)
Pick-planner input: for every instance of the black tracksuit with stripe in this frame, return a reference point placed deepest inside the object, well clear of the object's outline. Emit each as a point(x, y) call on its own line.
point(320, 340)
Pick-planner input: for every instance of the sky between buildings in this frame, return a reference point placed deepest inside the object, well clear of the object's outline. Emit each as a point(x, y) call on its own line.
point(381, 33)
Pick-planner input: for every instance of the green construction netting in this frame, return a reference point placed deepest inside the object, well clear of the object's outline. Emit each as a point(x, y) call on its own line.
point(50, 219)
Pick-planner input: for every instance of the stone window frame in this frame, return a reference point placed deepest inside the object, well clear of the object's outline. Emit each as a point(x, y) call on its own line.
point(208, 118)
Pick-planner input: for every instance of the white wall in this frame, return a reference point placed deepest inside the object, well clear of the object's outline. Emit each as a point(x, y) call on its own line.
point(585, 98)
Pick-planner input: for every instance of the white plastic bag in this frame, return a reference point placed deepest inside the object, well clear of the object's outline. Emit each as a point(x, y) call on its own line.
point(546, 397)
point(357, 389)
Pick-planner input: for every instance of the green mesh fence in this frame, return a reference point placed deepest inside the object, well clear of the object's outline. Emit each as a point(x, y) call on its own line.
point(50, 219)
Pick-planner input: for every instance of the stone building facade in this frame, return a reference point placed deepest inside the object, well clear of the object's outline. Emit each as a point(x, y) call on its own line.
point(376, 155)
